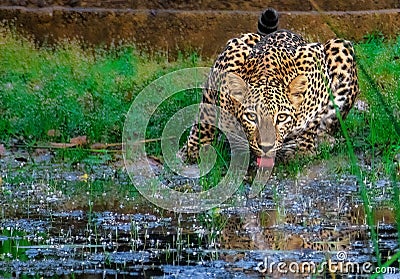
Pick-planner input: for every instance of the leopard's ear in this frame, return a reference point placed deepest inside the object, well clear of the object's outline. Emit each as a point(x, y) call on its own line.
point(237, 87)
point(297, 89)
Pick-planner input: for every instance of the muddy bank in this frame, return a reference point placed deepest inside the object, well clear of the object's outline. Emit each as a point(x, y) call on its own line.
point(173, 30)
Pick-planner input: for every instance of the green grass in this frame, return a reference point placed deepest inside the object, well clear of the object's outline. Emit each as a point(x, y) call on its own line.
point(72, 89)
point(377, 132)
point(77, 90)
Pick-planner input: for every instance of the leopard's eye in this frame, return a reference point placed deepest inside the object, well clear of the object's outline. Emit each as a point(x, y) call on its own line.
point(282, 117)
point(251, 116)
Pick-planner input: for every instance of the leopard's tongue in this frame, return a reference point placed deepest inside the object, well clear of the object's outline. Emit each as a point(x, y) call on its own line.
point(265, 162)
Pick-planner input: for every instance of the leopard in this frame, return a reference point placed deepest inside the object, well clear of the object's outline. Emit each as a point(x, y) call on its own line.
point(285, 93)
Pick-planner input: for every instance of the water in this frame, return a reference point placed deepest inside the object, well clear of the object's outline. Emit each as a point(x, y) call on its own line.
point(86, 220)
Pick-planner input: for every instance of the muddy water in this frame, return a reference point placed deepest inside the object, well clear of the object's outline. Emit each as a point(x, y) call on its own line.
point(85, 220)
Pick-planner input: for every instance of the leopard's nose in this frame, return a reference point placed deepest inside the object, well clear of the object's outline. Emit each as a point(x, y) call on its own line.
point(266, 147)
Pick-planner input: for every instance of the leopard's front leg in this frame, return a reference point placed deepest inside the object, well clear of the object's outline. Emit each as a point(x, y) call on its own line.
point(299, 145)
point(202, 133)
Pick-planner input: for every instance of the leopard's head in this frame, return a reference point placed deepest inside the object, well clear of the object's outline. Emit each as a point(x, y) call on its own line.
point(267, 110)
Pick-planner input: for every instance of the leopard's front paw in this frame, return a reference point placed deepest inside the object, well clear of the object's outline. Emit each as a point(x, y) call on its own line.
point(182, 154)
point(187, 155)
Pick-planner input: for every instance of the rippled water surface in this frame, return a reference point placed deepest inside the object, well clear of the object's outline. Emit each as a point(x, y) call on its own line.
point(86, 220)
